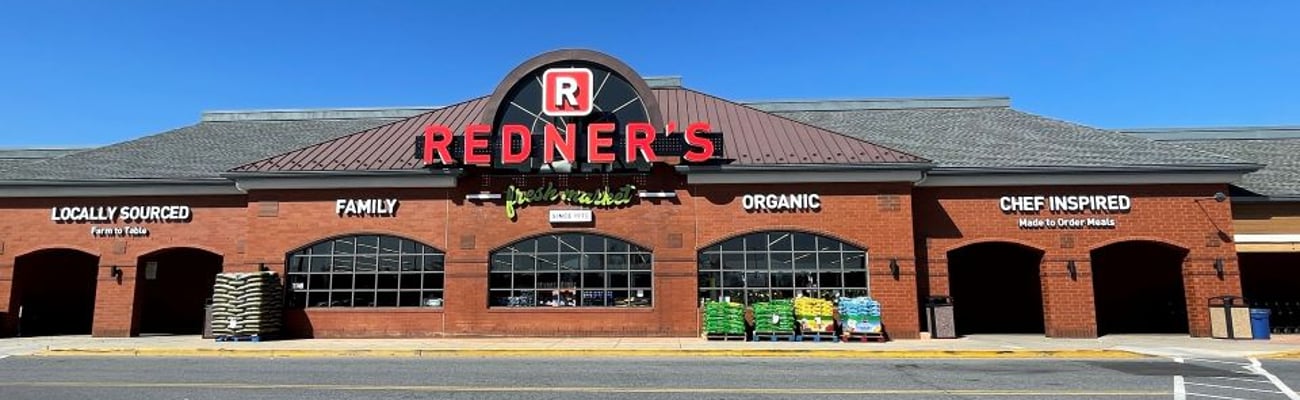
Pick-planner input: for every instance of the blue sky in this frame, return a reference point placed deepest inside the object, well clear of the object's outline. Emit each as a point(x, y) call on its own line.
point(95, 72)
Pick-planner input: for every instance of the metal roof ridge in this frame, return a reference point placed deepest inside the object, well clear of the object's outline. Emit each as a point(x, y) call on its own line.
point(899, 103)
point(1217, 133)
point(663, 82)
point(314, 114)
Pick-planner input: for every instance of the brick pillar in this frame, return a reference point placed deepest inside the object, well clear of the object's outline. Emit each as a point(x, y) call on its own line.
point(676, 297)
point(1069, 310)
point(464, 294)
point(8, 311)
point(1201, 282)
point(115, 314)
point(898, 303)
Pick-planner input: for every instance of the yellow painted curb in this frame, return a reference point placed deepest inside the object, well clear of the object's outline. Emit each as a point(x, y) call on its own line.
point(1293, 354)
point(807, 353)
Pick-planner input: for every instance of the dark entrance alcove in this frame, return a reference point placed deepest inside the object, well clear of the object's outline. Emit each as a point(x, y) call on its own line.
point(1138, 288)
point(996, 288)
point(172, 287)
point(54, 292)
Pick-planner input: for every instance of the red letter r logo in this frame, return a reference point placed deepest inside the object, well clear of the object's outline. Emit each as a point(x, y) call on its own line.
point(566, 92)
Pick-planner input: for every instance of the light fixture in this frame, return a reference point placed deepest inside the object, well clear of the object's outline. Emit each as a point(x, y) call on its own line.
point(262, 267)
point(115, 272)
point(1074, 271)
point(893, 267)
point(483, 196)
point(1218, 267)
point(656, 195)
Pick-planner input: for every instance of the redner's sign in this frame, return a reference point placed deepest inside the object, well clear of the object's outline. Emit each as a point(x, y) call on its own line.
point(572, 127)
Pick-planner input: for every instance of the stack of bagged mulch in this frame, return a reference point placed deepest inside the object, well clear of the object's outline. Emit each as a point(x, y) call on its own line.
point(247, 304)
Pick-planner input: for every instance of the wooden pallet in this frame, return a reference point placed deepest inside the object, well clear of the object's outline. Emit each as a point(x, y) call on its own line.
point(866, 337)
point(817, 337)
point(774, 336)
point(725, 337)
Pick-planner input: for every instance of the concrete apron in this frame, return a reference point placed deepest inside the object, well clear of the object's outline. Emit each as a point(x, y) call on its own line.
point(979, 346)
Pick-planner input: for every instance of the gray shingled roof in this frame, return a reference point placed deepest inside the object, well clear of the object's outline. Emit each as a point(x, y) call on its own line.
point(11, 158)
point(203, 150)
point(1277, 148)
point(992, 135)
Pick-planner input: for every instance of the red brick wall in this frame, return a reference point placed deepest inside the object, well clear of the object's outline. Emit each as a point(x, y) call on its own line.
point(217, 226)
point(1184, 216)
point(674, 229)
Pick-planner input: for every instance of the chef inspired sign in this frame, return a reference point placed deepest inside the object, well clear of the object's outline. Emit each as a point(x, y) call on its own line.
point(119, 214)
point(1068, 210)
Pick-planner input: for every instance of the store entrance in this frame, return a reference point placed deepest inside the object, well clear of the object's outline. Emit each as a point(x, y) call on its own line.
point(1269, 280)
point(1138, 288)
point(996, 288)
point(172, 287)
point(54, 292)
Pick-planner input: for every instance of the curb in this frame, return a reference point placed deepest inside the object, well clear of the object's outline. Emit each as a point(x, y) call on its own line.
point(407, 353)
point(1281, 355)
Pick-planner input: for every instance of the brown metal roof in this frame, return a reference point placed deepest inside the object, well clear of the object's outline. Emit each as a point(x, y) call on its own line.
point(753, 137)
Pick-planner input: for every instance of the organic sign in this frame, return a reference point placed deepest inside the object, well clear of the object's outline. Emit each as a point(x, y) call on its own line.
point(604, 197)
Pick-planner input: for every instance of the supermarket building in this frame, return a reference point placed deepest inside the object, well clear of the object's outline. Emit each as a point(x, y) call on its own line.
point(589, 201)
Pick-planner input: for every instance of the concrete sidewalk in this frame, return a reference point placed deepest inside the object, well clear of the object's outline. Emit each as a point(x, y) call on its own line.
point(979, 346)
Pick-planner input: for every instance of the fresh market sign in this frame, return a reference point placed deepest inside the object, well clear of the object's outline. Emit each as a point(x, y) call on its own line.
point(605, 197)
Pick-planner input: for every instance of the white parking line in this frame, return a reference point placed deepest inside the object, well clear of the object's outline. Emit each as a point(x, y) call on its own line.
point(1219, 362)
point(1180, 390)
point(4, 356)
point(1238, 379)
point(1216, 397)
point(1256, 367)
point(1233, 388)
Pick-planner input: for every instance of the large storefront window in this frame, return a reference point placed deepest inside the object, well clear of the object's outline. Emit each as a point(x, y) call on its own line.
point(779, 265)
point(366, 271)
point(570, 270)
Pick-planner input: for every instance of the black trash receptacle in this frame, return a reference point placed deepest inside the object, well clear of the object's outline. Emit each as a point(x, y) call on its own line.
point(939, 317)
point(207, 320)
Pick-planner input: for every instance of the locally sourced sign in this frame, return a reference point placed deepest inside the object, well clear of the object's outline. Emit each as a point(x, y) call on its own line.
point(116, 214)
point(781, 202)
point(366, 207)
point(604, 197)
point(128, 214)
point(1102, 206)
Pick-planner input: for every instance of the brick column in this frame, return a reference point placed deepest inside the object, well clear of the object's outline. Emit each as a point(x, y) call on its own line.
point(1202, 282)
point(1069, 309)
point(115, 314)
point(898, 303)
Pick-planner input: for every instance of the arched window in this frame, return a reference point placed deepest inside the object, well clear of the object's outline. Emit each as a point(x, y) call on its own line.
point(365, 271)
point(779, 264)
point(570, 270)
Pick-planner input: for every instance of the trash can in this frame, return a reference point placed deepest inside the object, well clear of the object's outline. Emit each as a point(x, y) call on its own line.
point(1259, 326)
point(207, 320)
point(939, 318)
point(1229, 318)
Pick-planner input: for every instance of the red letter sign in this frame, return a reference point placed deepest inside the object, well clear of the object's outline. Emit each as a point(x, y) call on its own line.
point(553, 140)
point(508, 132)
point(437, 138)
point(595, 142)
point(566, 92)
point(639, 136)
point(704, 147)
point(473, 142)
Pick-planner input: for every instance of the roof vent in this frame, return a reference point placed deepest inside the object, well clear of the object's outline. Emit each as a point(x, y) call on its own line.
point(656, 82)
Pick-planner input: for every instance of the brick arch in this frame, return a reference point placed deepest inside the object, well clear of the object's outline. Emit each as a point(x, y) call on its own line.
point(1150, 239)
point(784, 228)
point(536, 234)
point(59, 247)
point(972, 242)
point(160, 249)
point(380, 232)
